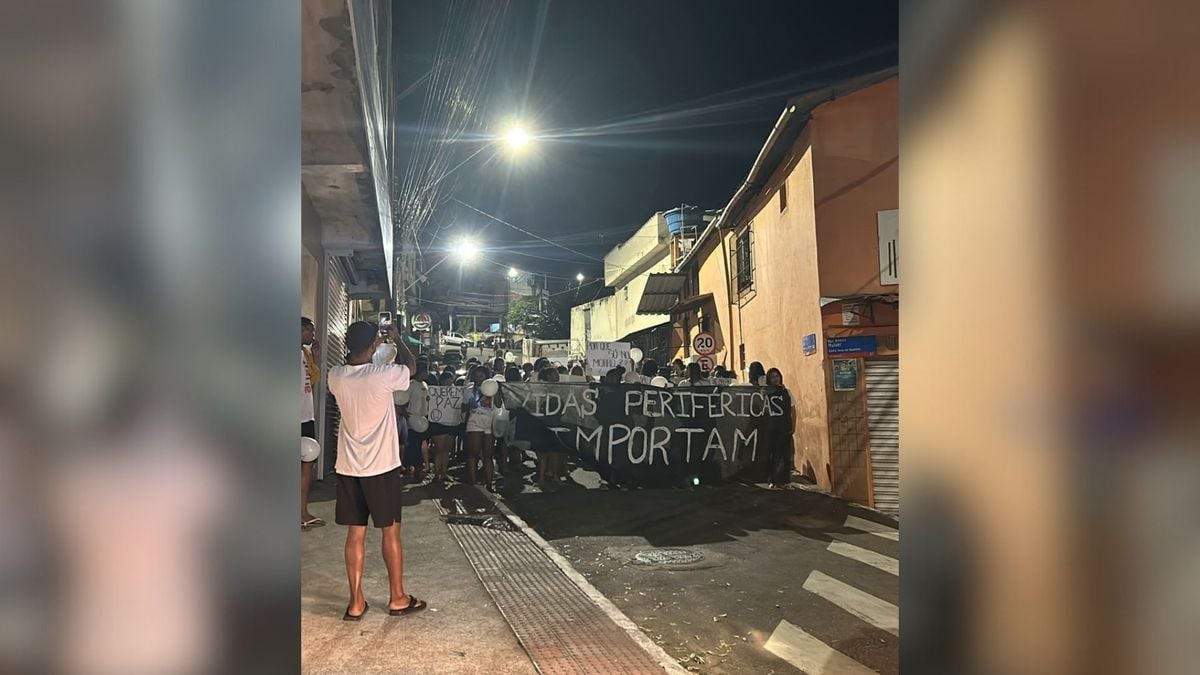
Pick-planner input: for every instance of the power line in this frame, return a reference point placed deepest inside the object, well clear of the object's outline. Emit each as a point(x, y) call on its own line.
point(527, 232)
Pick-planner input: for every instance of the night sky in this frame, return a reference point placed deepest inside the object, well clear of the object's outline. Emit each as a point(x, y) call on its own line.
point(723, 70)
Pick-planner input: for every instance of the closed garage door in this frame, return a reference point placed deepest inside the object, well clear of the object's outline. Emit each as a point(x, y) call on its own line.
point(883, 422)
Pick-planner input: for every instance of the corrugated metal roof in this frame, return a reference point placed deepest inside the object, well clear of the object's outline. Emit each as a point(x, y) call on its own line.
point(661, 293)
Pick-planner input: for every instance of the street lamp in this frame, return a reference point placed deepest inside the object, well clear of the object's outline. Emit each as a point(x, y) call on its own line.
point(466, 249)
point(513, 273)
point(579, 277)
point(517, 138)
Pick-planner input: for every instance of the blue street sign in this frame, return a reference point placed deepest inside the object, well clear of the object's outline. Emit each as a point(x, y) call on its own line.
point(857, 344)
point(810, 343)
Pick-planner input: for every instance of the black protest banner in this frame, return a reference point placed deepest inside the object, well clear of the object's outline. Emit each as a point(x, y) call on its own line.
point(639, 435)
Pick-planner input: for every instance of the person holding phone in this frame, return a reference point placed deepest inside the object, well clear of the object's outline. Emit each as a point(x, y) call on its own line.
point(369, 484)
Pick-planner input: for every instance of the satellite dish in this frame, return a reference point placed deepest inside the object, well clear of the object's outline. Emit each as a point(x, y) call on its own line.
point(489, 387)
point(418, 424)
point(310, 449)
point(385, 353)
point(659, 381)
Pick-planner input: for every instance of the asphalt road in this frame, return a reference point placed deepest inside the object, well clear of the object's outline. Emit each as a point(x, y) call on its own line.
point(789, 580)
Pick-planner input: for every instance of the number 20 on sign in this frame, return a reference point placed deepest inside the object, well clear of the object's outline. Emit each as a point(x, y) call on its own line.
point(704, 344)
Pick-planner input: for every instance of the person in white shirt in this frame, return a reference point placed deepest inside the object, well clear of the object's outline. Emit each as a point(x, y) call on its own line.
point(310, 374)
point(368, 461)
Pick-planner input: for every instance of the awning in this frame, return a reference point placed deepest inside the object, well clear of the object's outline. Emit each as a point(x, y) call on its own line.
point(661, 293)
point(694, 302)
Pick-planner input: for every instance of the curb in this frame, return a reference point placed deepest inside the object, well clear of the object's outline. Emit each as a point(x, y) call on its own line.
point(655, 652)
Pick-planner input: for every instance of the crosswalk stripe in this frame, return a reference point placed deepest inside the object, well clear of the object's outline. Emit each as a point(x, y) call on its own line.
point(874, 528)
point(879, 613)
point(862, 555)
point(810, 654)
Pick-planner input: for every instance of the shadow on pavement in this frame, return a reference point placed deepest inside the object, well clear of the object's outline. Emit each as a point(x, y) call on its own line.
point(666, 517)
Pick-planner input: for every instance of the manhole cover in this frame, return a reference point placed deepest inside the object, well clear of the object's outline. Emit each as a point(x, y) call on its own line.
point(668, 556)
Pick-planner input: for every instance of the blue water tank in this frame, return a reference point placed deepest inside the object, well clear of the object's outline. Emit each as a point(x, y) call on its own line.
point(684, 217)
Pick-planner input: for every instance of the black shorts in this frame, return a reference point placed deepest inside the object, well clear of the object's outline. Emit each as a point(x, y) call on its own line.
point(379, 497)
point(308, 429)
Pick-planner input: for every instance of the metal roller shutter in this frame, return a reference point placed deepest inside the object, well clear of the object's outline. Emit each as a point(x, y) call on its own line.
point(333, 351)
point(883, 422)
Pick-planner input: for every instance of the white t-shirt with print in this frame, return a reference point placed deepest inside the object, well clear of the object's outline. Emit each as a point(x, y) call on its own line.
point(368, 442)
point(307, 413)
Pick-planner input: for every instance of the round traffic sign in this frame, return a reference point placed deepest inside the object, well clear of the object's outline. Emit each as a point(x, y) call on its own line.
point(704, 343)
point(421, 322)
point(707, 363)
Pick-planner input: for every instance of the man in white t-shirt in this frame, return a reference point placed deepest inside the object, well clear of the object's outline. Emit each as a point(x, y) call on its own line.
point(368, 462)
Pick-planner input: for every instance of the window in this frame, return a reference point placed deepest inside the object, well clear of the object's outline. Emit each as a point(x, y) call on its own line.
point(743, 260)
point(889, 246)
point(783, 197)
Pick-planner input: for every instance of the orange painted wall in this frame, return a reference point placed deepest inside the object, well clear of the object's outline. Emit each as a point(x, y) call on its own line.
point(784, 305)
point(855, 156)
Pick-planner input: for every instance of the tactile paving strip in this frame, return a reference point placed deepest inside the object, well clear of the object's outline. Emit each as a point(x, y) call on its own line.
point(563, 631)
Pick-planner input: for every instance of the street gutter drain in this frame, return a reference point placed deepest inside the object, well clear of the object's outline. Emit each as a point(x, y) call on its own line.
point(668, 556)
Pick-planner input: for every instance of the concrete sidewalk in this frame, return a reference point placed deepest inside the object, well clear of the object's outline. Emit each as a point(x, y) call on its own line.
point(461, 632)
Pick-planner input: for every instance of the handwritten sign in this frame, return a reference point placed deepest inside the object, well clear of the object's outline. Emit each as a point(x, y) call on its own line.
point(604, 356)
point(445, 405)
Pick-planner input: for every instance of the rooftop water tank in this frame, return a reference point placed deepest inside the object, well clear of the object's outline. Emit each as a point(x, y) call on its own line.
point(684, 217)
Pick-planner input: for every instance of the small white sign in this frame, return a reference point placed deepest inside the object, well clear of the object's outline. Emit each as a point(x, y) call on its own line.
point(851, 313)
point(707, 363)
point(704, 343)
point(604, 356)
point(445, 405)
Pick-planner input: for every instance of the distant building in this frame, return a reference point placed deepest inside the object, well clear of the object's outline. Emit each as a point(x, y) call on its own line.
point(632, 269)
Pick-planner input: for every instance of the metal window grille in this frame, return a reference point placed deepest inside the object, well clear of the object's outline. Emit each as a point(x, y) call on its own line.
point(744, 260)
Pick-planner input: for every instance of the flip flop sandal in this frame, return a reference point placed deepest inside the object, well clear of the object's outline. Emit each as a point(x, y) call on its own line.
point(414, 606)
point(311, 523)
point(355, 617)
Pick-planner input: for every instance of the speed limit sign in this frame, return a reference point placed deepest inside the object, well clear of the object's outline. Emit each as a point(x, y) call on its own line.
point(704, 343)
point(706, 363)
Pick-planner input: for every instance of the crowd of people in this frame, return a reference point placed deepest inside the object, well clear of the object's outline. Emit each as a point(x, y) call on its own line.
point(486, 435)
point(386, 435)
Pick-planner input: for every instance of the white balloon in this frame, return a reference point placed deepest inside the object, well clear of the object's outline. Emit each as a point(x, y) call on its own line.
point(658, 381)
point(418, 424)
point(310, 449)
point(510, 357)
point(385, 353)
point(489, 387)
point(635, 354)
point(400, 397)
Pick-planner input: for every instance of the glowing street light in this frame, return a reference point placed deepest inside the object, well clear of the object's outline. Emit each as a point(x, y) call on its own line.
point(517, 138)
point(513, 273)
point(579, 277)
point(466, 249)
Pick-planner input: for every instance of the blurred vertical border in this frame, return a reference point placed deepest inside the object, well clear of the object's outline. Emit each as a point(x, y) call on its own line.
point(149, 295)
point(1050, 194)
